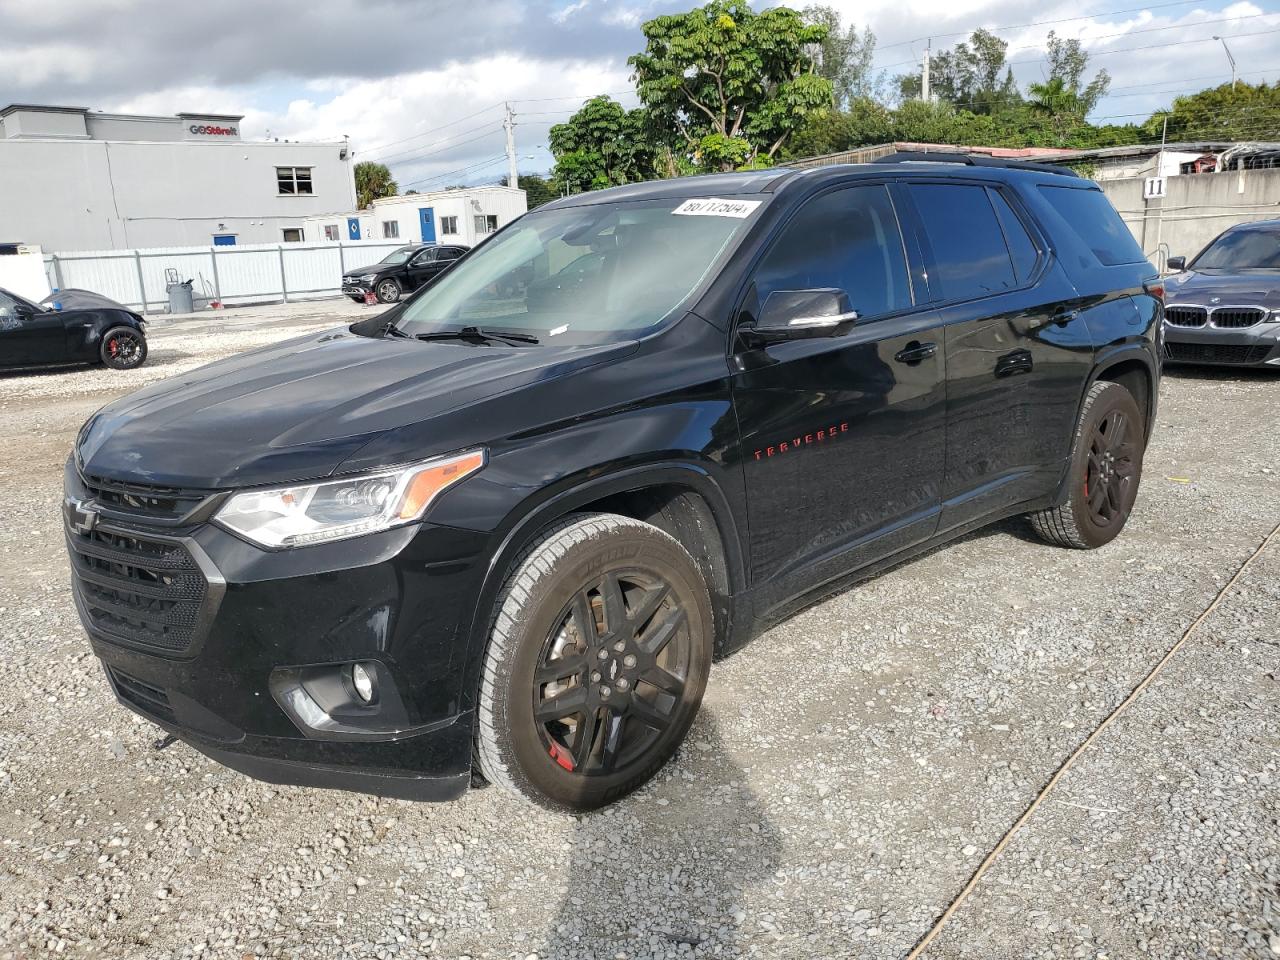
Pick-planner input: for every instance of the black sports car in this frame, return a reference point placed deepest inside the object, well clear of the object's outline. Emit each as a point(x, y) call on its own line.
point(1224, 307)
point(401, 271)
point(72, 326)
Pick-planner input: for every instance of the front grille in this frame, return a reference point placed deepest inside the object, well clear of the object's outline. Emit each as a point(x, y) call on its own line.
point(1185, 316)
point(144, 501)
point(138, 590)
point(150, 699)
point(1234, 318)
point(1215, 352)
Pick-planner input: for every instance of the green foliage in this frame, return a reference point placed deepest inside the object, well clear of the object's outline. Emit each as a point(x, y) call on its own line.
point(1245, 112)
point(537, 190)
point(843, 57)
point(973, 76)
point(373, 182)
point(602, 145)
point(726, 85)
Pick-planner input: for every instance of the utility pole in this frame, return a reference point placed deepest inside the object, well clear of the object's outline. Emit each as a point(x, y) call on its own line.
point(509, 125)
point(924, 74)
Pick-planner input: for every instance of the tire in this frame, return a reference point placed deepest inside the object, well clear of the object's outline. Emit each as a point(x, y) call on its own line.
point(123, 348)
point(567, 714)
point(388, 290)
point(1107, 457)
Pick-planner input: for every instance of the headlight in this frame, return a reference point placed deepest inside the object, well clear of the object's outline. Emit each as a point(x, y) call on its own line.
point(369, 278)
point(351, 507)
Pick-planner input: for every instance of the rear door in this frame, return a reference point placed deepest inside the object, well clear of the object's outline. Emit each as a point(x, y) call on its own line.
point(1016, 359)
point(842, 435)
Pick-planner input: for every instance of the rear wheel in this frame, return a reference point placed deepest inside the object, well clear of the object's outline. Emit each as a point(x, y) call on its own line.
point(1105, 471)
point(123, 348)
point(388, 290)
point(597, 662)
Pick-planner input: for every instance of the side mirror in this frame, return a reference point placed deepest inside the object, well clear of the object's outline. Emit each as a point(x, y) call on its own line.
point(1176, 263)
point(801, 314)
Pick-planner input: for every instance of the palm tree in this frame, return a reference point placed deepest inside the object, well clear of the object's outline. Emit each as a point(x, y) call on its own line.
point(373, 182)
point(1059, 104)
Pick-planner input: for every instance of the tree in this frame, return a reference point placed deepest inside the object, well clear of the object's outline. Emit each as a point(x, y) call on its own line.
point(843, 56)
point(1068, 62)
point(602, 145)
point(974, 75)
point(1243, 112)
point(866, 122)
point(730, 85)
point(373, 182)
point(537, 190)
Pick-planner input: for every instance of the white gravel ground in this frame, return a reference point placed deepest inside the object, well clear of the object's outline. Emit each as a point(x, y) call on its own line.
point(849, 771)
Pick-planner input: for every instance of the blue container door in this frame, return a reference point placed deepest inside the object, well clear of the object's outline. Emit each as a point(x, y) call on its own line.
point(428, 218)
point(224, 240)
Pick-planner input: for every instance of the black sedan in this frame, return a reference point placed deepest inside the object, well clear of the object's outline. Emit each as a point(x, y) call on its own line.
point(400, 272)
point(75, 326)
point(1223, 308)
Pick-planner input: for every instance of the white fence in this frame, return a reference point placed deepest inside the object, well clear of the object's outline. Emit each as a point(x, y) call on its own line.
point(253, 273)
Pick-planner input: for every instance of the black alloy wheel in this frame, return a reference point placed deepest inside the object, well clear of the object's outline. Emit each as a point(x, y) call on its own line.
point(612, 673)
point(123, 348)
point(1110, 472)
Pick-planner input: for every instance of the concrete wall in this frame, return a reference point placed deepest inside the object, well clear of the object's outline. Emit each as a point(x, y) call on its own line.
point(71, 195)
point(1195, 209)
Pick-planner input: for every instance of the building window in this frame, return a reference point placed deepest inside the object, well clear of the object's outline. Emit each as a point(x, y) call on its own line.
point(486, 223)
point(331, 232)
point(391, 229)
point(449, 225)
point(292, 234)
point(293, 181)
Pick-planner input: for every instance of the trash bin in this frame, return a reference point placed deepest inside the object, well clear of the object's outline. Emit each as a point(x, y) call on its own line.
point(180, 297)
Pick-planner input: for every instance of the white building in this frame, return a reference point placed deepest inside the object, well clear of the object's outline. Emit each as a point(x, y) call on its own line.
point(465, 216)
point(74, 179)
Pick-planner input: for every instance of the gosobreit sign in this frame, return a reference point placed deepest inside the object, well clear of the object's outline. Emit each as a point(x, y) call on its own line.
point(207, 130)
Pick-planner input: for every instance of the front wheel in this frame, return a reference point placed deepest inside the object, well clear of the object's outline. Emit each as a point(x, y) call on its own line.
point(388, 290)
point(597, 661)
point(123, 348)
point(1104, 473)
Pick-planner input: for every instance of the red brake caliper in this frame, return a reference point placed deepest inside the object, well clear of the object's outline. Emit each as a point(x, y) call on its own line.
point(113, 347)
point(561, 756)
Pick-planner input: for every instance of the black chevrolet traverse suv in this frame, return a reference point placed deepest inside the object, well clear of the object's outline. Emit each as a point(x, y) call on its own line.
point(502, 529)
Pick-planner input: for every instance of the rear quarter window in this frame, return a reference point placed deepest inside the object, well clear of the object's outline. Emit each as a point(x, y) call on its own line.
point(1094, 220)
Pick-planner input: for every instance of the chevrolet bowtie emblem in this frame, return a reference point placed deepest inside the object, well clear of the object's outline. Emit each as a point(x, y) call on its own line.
point(81, 517)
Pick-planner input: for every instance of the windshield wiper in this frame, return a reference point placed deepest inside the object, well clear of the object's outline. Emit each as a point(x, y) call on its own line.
point(475, 333)
point(391, 330)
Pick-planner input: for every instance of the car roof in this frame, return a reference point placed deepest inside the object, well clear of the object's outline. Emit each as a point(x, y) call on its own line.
point(1262, 225)
point(776, 179)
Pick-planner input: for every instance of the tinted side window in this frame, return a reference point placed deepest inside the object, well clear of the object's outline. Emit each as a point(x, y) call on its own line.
point(1094, 220)
point(1021, 248)
point(968, 245)
point(848, 239)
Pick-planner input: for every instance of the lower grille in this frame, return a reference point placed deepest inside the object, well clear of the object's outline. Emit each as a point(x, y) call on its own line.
point(1185, 316)
point(1236, 318)
point(138, 590)
point(150, 699)
point(1215, 352)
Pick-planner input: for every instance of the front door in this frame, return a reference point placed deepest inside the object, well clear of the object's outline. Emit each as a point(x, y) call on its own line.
point(29, 335)
point(842, 436)
point(1015, 363)
point(427, 218)
point(423, 267)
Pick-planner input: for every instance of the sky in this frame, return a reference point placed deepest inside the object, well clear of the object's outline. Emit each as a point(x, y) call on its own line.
point(420, 84)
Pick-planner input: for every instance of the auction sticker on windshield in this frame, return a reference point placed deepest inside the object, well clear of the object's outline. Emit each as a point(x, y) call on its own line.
point(715, 207)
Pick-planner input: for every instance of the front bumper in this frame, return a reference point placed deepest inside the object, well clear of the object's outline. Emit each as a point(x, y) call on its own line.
point(1253, 346)
point(200, 632)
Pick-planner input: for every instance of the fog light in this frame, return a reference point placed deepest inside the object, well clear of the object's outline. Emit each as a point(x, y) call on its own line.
point(362, 681)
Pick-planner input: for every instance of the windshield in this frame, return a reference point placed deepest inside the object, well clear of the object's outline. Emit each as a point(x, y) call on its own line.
point(590, 274)
point(1242, 250)
point(397, 257)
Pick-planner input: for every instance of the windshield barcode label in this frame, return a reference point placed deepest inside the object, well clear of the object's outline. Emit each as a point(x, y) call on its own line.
point(715, 207)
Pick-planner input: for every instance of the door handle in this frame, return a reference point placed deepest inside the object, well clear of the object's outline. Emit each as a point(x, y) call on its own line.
point(1019, 361)
point(915, 351)
point(1063, 317)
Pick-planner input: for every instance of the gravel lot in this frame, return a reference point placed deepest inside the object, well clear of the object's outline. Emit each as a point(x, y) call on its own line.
point(850, 769)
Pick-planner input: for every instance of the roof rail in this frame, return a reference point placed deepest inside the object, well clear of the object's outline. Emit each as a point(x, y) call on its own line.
point(975, 160)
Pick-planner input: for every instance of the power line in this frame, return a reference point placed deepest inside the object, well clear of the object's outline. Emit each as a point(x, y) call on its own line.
point(381, 146)
point(413, 152)
point(471, 168)
point(1043, 23)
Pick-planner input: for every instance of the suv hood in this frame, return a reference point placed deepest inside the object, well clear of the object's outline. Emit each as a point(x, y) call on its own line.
point(296, 410)
point(1236, 289)
point(375, 268)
